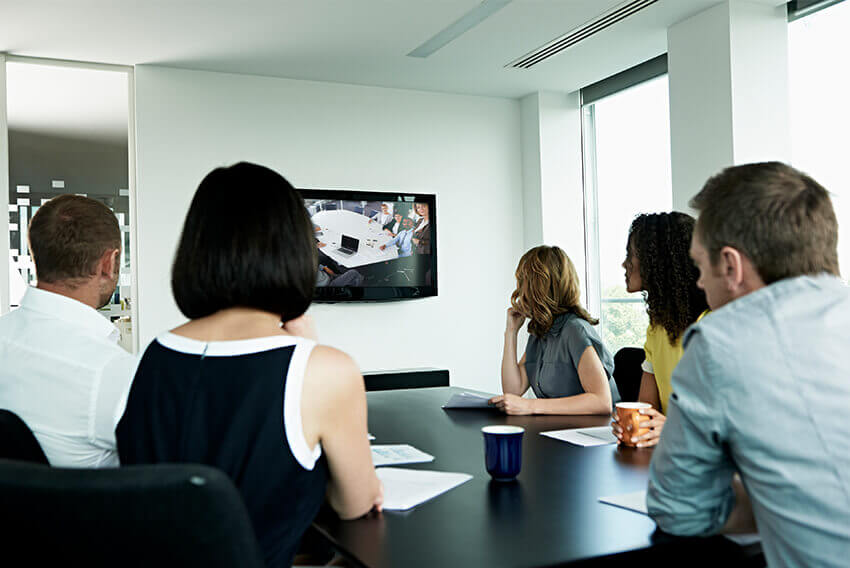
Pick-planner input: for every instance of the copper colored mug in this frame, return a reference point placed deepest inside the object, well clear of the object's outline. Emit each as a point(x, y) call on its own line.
point(629, 417)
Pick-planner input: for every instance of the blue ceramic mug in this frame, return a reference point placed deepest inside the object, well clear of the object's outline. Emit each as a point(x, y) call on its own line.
point(503, 451)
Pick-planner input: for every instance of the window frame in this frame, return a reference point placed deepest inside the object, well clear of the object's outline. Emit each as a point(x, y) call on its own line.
point(590, 95)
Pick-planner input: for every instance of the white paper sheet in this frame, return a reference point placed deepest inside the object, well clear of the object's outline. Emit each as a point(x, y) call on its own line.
point(637, 502)
point(407, 488)
point(597, 436)
point(468, 400)
point(398, 454)
point(632, 501)
point(371, 437)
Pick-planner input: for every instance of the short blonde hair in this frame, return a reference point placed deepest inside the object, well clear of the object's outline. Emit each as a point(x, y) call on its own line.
point(547, 286)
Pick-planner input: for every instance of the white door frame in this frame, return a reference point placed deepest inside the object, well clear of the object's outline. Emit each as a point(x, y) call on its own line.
point(4, 191)
point(131, 173)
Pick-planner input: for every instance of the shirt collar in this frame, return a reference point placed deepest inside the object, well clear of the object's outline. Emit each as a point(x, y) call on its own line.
point(69, 310)
point(558, 323)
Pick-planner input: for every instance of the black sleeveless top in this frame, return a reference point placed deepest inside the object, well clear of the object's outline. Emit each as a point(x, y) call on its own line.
point(235, 405)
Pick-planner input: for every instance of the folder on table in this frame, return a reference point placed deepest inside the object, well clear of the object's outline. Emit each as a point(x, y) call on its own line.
point(468, 400)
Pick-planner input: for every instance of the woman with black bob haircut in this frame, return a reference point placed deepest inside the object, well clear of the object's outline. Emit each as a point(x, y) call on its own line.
point(658, 263)
point(243, 386)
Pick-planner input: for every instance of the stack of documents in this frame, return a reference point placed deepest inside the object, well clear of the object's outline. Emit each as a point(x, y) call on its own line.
point(598, 436)
point(407, 488)
point(397, 454)
point(468, 400)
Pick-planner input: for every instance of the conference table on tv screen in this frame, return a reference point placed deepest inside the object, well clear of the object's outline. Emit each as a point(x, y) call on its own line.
point(550, 515)
point(336, 224)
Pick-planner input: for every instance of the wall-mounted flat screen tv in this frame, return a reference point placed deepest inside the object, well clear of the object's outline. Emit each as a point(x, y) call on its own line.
point(373, 245)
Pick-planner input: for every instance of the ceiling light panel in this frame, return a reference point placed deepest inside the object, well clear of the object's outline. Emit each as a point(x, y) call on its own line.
point(466, 22)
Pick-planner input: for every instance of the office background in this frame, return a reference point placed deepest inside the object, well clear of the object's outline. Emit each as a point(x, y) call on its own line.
point(503, 156)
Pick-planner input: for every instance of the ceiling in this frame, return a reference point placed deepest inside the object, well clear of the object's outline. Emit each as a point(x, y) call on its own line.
point(362, 42)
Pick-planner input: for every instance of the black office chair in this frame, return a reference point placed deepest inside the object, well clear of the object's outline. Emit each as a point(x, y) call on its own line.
point(152, 515)
point(408, 379)
point(17, 441)
point(627, 372)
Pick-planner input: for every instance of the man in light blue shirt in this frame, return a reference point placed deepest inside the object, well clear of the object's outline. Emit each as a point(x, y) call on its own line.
point(404, 239)
point(756, 431)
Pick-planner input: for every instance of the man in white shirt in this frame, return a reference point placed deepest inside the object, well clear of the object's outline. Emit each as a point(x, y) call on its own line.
point(61, 368)
point(383, 216)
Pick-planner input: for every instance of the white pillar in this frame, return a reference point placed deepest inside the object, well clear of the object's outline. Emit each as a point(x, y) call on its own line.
point(728, 77)
point(553, 196)
point(4, 192)
point(532, 199)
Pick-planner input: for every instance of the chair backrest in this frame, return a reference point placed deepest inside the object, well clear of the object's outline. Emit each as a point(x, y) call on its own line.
point(17, 442)
point(628, 373)
point(152, 515)
point(406, 379)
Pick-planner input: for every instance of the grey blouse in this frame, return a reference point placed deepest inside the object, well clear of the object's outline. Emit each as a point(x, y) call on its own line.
point(551, 362)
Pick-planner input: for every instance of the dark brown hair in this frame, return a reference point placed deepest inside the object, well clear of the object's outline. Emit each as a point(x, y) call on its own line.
point(68, 235)
point(780, 218)
point(547, 286)
point(661, 243)
point(234, 255)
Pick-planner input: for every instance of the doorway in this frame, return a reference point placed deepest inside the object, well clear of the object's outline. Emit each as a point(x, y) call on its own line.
point(69, 129)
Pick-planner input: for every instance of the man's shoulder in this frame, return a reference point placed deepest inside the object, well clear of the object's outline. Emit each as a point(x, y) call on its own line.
point(51, 338)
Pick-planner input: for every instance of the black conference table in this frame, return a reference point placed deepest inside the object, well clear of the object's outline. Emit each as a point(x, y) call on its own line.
point(549, 516)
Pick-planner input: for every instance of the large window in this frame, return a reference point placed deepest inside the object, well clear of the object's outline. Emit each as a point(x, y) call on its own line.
point(820, 113)
point(627, 172)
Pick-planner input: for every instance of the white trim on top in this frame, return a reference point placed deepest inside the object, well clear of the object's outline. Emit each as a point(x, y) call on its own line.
point(292, 422)
point(231, 348)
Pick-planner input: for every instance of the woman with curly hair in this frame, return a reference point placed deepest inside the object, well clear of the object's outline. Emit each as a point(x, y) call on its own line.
point(565, 362)
point(658, 264)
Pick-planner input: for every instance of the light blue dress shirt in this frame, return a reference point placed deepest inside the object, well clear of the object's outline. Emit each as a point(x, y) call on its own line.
point(404, 241)
point(763, 389)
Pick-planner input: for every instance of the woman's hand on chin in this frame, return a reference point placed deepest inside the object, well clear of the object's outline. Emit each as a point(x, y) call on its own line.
point(514, 321)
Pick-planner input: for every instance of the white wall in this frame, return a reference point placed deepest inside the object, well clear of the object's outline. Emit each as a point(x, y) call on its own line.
point(553, 193)
point(728, 78)
point(464, 149)
point(699, 79)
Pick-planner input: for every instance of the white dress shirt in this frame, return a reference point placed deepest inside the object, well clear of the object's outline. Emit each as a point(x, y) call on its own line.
point(62, 372)
point(382, 218)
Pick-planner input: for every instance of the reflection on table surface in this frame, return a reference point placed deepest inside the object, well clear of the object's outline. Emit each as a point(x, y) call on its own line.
point(551, 514)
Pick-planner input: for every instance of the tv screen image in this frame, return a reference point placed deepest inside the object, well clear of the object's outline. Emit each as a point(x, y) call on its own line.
point(372, 245)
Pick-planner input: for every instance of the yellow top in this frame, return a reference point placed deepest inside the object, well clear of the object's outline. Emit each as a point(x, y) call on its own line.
point(661, 359)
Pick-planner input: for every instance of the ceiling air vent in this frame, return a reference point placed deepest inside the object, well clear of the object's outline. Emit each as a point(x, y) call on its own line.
point(584, 31)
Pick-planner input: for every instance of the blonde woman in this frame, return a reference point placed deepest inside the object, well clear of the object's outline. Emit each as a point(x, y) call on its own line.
point(565, 362)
